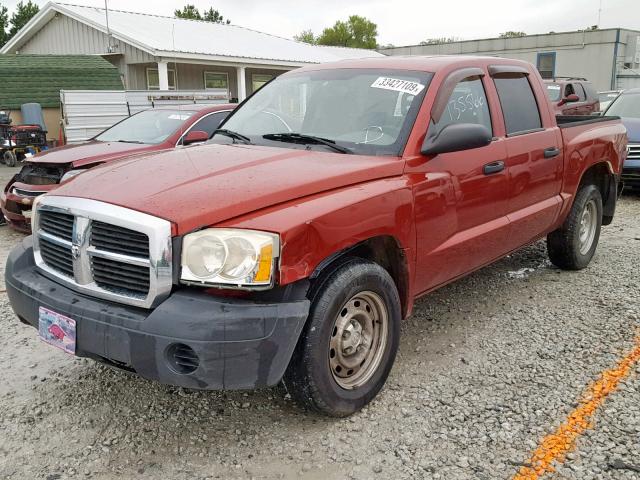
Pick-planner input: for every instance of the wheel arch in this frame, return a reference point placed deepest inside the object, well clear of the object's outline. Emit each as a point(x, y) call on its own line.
point(386, 251)
point(601, 175)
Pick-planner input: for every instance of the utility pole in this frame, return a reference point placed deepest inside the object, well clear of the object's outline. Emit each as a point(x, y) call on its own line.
point(599, 13)
point(110, 48)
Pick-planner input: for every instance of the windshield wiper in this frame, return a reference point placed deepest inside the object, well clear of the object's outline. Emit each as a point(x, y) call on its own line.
point(302, 138)
point(130, 141)
point(233, 135)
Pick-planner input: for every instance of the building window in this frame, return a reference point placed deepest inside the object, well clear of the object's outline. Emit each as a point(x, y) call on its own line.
point(218, 81)
point(258, 80)
point(153, 80)
point(546, 64)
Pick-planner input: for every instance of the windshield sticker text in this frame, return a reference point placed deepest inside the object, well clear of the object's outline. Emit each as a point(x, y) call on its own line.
point(397, 85)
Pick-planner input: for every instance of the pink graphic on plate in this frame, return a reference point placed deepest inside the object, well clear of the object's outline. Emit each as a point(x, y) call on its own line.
point(57, 330)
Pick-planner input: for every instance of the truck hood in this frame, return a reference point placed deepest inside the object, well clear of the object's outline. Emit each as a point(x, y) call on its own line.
point(89, 152)
point(203, 185)
point(633, 129)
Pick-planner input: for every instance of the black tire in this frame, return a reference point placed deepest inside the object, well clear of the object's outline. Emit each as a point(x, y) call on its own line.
point(10, 159)
point(310, 378)
point(565, 248)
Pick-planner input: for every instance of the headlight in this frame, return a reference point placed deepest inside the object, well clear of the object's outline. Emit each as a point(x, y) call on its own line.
point(34, 212)
point(225, 256)
point(72, 173)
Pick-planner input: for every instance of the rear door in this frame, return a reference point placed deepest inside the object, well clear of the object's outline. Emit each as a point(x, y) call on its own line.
point(583, 107)
point(460, 198)
point(592, 99)
point(534, 157)
point(570, 108)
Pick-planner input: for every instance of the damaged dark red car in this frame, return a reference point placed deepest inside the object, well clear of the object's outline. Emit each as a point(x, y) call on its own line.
point(151, 130)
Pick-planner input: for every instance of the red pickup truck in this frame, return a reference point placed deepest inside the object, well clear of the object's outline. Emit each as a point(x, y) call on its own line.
point(292, 247)
point(148, 131)
point(572, 96)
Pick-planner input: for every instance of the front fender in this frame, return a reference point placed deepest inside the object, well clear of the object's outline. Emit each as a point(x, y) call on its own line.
point(314, 228)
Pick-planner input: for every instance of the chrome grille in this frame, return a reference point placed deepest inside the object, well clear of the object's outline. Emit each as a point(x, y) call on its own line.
point(104, 250)
point(57, 224)
point(57, 256)
point(120, 240)
point(120, 277)
point(27, 193)
point(633, 151)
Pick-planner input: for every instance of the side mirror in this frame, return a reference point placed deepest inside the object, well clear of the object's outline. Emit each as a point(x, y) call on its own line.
point(195, 136)
point(570, 99)
point(456, 137)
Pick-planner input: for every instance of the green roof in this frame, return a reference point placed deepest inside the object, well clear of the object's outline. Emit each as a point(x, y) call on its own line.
point(39, 78)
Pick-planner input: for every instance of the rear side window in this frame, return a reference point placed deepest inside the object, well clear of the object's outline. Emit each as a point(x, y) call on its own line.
point(581, 93)
point(467, 104)
point(518, 104)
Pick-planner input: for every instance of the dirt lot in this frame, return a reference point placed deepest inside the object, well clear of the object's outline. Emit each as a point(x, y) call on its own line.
point(488, 367)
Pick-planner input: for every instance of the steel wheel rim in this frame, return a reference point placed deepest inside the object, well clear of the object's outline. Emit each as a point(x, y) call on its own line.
point(588, 225)
point(358, 340)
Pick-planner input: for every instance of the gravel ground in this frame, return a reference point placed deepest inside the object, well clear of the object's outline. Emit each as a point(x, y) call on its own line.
point(487, 367)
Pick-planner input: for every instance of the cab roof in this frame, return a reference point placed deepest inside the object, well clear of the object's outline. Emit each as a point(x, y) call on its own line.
point(431, 63)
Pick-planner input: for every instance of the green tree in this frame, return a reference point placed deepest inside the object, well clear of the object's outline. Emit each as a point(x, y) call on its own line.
point(22, 14)
point(188, 11)
point(512, 34)
point(192, 13)
point(306, 36)
point(356, 32)
point(4, 24)
point(212, 15)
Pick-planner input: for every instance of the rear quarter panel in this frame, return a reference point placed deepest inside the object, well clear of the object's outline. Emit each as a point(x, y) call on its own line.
point(586, 145)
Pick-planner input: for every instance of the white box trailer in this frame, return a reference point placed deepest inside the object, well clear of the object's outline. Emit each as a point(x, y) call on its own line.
point(86, 113)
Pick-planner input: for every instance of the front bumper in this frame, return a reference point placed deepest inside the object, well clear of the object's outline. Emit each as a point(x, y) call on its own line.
point(16, 203)
point(240, 344)
point(631, 173)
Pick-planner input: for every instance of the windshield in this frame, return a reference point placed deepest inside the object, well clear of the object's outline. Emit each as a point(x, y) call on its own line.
point(148, 127)
point(553, 91)
point(365, 111)
point(626, 105)
point(606, 98)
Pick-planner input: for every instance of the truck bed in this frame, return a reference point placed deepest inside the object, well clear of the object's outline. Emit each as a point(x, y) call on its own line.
point(566, 121)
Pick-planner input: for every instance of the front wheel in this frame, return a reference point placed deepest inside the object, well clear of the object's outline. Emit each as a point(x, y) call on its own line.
point(10, 159)
point(346, 352)
point(573, 245)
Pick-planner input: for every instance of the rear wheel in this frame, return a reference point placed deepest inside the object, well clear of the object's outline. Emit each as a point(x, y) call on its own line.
point(350, 341)
point(573, 245)
point(10, 159)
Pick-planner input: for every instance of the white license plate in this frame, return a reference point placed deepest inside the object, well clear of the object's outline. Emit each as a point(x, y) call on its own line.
point(27, 214)
point(57, 330)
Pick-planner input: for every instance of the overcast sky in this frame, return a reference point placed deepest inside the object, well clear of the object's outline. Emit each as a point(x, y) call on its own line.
point(404, 22)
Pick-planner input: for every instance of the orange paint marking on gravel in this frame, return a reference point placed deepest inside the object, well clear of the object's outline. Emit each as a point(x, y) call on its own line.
point(554, 447)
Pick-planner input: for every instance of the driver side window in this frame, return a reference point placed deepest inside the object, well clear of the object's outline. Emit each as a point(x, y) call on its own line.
point(467, 104)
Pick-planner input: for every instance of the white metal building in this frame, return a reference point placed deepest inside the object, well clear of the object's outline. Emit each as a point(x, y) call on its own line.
point(609, 58)
point(165, 53)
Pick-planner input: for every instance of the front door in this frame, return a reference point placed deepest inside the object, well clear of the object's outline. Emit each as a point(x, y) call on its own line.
point(460, 197)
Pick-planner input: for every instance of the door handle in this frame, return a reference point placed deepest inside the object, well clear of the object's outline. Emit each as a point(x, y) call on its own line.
point(493, 167)
point(551, 152)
